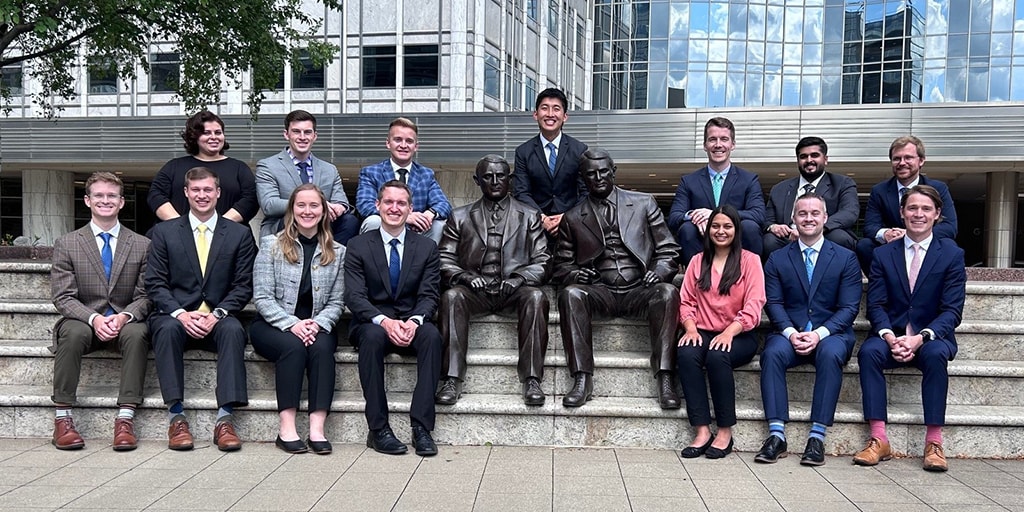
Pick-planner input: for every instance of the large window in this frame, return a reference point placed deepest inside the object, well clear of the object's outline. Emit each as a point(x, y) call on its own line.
point(164, 72)
point(379, 66)
point(422, 64)
point(492, 76)
point(304, 74)
point(553, 17)
point(11, 80)
point(102, 76)
point(10, 207)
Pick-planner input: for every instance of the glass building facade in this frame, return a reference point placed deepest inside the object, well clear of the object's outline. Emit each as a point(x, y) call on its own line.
point(676, 53)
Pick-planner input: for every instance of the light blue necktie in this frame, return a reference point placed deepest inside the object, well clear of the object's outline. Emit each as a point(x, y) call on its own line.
point(394, 267)
point(716, 185)
point(809, 265)
point(552, 156)
point(108, 262)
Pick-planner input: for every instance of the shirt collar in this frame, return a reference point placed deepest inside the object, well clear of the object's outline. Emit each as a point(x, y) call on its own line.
point(194, 221)
point(502, 205)
point(907, 242)
point(917, 180)
point(803, 181)
point(557, 142)
point(114, 231)
point(295, 161)
point(395, 167)
point(387, 237)
point(816, 245)
point(725, 173)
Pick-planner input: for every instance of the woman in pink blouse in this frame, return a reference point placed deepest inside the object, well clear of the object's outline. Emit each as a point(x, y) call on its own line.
point(720, 304)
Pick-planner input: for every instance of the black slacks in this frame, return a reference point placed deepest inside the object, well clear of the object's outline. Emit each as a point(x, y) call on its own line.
point(227, 339)
point(293, 360)
point(691, 362)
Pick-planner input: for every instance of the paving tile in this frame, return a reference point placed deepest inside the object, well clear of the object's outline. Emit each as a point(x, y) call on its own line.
point(300, 480)
point(575, 503)
point(78, 475)
point(18, 445)
point(440, 464)
point(795, 490)
point(362, 500)
point(881, 506)
point(383, 482)
point(429, 502)
point(918, 476)
point(746, 505)
point(852, 474)
point(311, 463)
point(653, 469)
point(41, 497)
point(45, 458)
point(954, 507)
point(274, 500)
point(219, 479)
point(1005, 496)
point(988, 478)
point(119, 498)
point(494, 502)
point(498, 483)
point(587, 469)
point(817, 506)
point(193, 459)
point(875, 493)
point(666, 504)
point(1009, 465)
point(444, 483)
point(661, 487)
point(21, 475)
point(200, 499)
point(155, 478)
point(589, 485)
point(947, 494)
point(724, 489)
point(527, 467)
point(643, 455)
point(785, 469)
point(373, 462)
point(583, 455)
point(521, 453)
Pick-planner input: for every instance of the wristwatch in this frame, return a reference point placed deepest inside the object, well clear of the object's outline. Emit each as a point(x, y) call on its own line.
point(220, 313)
point(431, 210)
point(926, 335)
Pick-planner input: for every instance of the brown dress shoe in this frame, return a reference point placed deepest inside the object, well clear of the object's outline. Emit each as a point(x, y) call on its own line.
point(65, 437)
point(876, 450)
point(178, 435)
point(124, 435)
point(934, 459)
point(225, 437)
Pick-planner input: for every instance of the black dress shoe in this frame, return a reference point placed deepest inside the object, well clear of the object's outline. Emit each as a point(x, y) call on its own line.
point(773, 449)
point(319, 447)
point(532, 393)
point(384, 441)
point(582, 391)
point(718, 453)
point(814, 453)
point(668, 397)
point(296, 446)
point(449, 393)
point(421, 439)
point(692, 452)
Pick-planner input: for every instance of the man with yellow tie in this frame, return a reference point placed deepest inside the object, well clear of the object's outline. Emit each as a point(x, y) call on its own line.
point(199, 277)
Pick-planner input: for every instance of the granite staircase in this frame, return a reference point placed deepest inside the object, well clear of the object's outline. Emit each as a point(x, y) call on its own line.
point(985, 416)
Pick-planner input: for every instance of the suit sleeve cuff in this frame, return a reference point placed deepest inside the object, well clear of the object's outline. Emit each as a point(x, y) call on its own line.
point(176, 312)
point(880, 235)
point(822, 332)
point(788, 331)
point(883, 332)
point(131, 317)
point(378, 319)
point(92, 317)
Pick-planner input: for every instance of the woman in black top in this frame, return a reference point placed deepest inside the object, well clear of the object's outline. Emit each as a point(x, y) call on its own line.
point(205, 144)
point(298, 285)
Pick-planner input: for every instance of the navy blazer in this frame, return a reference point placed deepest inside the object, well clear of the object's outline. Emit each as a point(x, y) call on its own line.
point(938, 299)
point(368, 283)
point(534, 185)
point(741, 189)
point(426, 192)
point(838, 191)
point(173, 277)
point(831, 299)
point(883, 209)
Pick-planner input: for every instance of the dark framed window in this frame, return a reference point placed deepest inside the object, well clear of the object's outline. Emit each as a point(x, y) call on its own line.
point(553, 17)
point(305, 75)
point(531, 9)
point(102, 76)
point(379, 66)
point(164, 72)
point(10, 207)
point(422, 65)
point(492, 76)
point(11, 78)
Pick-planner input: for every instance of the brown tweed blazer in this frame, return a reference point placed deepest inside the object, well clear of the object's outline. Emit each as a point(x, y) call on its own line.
point(79, 286)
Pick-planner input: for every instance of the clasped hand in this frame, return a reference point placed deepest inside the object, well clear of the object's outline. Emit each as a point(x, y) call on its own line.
point(804, 342)
point(197, 324)
point(903, 348)
point(306, 331)
point(399, 332)
point(108, 328)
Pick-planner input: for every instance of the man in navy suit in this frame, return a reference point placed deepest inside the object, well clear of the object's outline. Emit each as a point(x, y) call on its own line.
point(278, 175)
point(883, 222)
point(813, 290)
point(545, 175)
point(839, 193)
point(392, 281)
point(430, 207)
point(719, 182)
point(915, 301)
point(199, 277)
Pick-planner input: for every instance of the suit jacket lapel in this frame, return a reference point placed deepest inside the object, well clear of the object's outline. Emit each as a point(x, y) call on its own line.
point(824, 186)
point(411, 245)
point(705, 185)
point(380, 260)
point(124, 246)
point(91, 249)
point(790, 194)
point(188, 241)
point(291, 169)
point(933, 254)
point(589, 219)
point(899, 261)
point(539, 150)
point(892, 202)
point(476, 216)
point(799, 267)
point(824, 260)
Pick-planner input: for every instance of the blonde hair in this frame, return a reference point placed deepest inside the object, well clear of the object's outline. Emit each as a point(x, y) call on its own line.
point(287, 237)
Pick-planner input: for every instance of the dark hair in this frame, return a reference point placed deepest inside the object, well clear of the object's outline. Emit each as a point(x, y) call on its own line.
point(297, 116)
point(812, 141)
point(552, 92)
point(925, 190)
point(104, 177)
point(201, 173)
point(731, 271)
point(720, 122)
point(492, 159)
point(194, 128)
point(287, 237)
point(394, 184)
point(593, 154)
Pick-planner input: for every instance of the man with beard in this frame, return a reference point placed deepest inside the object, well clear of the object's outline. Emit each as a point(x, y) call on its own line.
point(839, 193)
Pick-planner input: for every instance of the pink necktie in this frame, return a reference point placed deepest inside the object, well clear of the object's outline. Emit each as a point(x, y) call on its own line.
point(915, 265)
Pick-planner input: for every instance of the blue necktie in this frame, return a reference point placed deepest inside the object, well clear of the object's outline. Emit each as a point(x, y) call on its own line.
point(395, 267)
point(809, 265)
point(716, 185)
point(304, 172)
point(108, 262)
point(552, 156)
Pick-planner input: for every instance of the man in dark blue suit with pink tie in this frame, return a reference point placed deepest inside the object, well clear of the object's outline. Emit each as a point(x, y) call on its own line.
point(813, 289)
point(915, 301)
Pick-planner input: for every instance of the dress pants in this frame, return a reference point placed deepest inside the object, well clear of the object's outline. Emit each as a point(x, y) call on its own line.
point(293, 360)
point(373, 344)
point(345, 227)
point(577, 303)
point(828, 359)
point(692, 240)
point(75, 338)
point(460, 303)
point(932, 359)
point(227, 339)
point(865, 253)
point(691, 362)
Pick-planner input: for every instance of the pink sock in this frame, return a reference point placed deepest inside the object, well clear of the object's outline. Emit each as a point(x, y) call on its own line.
point(878, 430)
point(933, 434)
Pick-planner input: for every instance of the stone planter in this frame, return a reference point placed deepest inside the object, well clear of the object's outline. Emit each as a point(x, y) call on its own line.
point(35, 252)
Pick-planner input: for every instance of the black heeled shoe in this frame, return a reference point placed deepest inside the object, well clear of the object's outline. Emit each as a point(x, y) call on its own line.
point(718, 453)
point(692, 452)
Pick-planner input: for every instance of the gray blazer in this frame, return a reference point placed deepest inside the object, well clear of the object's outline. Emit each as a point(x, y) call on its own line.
point(276, 286)
point(276, 178)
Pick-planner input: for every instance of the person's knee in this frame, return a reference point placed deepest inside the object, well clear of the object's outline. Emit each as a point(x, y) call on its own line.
point(533, 296)
point(775, 354)
point(572, 294)
point(832, 353)
point(74, 337)
point(370, 223)
point(872, 352)
point(665, 293)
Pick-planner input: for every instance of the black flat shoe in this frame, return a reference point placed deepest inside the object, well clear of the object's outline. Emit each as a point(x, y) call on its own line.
point(718, 453)
point(319, 447)
point(692, 452)
point(296, 446)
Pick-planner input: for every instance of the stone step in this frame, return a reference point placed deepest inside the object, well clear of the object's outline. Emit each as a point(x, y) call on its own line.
point(988, 340)
point(971, 431)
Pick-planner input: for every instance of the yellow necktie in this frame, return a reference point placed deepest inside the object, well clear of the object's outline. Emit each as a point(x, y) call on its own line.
point(203, 248)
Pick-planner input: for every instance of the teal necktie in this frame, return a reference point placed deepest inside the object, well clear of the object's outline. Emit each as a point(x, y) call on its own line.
point(809, 265)
point(716, 185)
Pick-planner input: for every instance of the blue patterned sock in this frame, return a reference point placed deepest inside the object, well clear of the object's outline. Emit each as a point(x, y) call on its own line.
point(175, 409)
point(818, 431)
point(777, 429)
point(225, 410)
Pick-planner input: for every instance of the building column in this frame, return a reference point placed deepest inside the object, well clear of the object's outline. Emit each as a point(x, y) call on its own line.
point(47, 207)
point(458, 185)
point(1000, 218)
